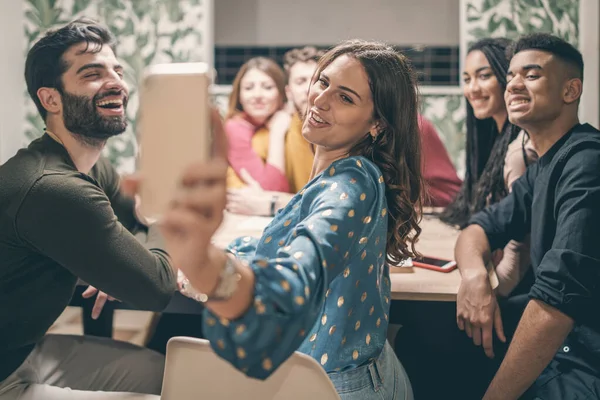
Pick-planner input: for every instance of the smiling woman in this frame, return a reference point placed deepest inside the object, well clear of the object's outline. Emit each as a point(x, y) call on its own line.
point(498, 152)
point(339, 115)
point(317, 281)
point(491, 166)
point(255, 104)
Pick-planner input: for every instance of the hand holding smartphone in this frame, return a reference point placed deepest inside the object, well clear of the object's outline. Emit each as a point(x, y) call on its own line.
point(174, 129)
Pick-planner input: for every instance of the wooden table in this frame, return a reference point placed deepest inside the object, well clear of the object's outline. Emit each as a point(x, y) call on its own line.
point(437, 239)
point(408, 283)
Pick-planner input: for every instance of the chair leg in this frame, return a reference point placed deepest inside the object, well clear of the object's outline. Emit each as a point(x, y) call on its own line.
point(151, 328)
point(103, 326)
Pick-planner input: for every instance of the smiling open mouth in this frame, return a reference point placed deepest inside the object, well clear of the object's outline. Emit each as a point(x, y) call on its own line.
point(317, 119)
point(110, 104)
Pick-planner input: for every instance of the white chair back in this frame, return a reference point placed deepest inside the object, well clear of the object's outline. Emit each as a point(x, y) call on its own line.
point(194, 372)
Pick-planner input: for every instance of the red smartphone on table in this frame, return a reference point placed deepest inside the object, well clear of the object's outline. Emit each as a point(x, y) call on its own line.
point(435, 264)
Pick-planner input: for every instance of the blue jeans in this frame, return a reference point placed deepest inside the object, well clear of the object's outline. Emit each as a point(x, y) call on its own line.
point(382, 379)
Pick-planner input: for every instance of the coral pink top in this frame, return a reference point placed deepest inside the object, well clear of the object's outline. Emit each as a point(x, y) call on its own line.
point(241, 155)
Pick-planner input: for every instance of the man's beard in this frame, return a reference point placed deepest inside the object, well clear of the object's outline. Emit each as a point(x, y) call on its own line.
point(82, 118)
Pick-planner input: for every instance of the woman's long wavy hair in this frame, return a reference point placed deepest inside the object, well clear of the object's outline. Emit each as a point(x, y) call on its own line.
point(486, 147)
point(397, 149)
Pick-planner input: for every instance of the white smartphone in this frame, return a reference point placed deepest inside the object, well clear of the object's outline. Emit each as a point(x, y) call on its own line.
point(174, 129)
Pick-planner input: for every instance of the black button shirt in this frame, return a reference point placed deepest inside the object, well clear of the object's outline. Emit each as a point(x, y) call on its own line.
point(558, 201)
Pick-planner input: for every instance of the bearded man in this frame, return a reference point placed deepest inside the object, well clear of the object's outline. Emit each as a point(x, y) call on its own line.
point(63, 218)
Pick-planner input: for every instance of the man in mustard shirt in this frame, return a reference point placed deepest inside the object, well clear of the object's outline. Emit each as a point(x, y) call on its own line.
point(300, 65)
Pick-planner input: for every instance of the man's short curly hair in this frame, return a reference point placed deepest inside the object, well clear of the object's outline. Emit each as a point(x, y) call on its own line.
point(304, 54)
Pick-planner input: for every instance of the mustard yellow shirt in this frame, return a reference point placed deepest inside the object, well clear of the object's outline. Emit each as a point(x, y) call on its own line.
point(298, 156)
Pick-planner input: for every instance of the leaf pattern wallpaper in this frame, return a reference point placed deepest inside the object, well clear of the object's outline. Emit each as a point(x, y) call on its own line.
point(148, 31)
point(511, 18)
point(447, 113)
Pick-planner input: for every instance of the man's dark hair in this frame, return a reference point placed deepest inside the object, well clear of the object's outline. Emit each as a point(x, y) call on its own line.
point(304, 54)
point(45, 65)
point(553, 45)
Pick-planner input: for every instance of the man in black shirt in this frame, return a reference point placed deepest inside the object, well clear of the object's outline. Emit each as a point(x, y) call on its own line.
point(555, 352)
point(63, 217)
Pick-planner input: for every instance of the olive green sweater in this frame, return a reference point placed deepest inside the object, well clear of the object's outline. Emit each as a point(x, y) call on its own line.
point(57, 225)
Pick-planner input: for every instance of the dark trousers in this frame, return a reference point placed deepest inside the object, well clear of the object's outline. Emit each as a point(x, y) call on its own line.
point(441, 360)
point(168, 326)
point(566, 377)
point(185, 320)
